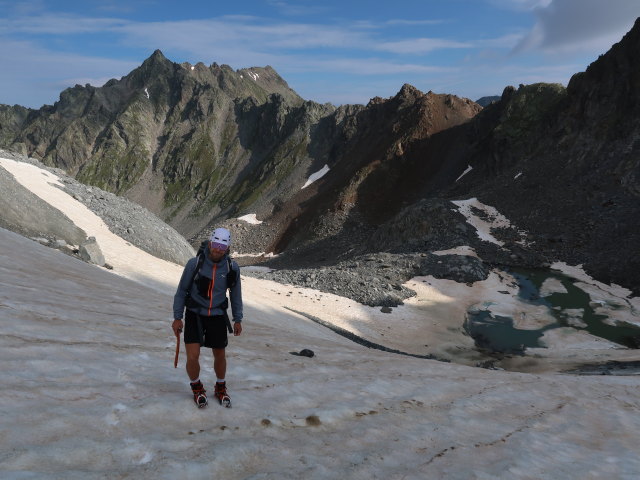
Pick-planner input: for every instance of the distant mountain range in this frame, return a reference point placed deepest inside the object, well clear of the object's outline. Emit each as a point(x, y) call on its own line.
point(484, 101)
point(203, 145)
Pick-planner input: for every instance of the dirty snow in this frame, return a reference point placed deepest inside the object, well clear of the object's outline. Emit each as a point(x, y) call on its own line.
point(89, 355)
point(469, 168)
point(491, 218)
point(99, 397)
point(316, 176)
point(250, 218)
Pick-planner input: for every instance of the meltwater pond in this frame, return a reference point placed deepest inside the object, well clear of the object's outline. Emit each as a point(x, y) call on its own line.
point(567, 304)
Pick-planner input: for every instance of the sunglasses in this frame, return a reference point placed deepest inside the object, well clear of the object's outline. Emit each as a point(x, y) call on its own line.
point(218, 246)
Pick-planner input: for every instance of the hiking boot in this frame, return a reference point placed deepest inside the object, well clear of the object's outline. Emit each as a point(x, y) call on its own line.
point(221, 394)
point(199, 394)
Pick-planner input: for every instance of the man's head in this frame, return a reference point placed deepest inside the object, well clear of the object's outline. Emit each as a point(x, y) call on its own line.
point(219, 243)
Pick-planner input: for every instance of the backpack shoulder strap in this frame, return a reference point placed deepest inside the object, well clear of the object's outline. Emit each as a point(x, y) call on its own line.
point(199, 260)
point(232, 275)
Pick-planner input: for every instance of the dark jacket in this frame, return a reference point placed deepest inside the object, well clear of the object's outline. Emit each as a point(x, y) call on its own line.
point(209, 290)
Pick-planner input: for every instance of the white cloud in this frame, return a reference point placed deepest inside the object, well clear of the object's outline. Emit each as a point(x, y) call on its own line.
point(30, 7)
point(521, 4)
point(265, 36)
point(419, 46)
point(565, 26)
point(233, 33)
point(398, 21)
point(289, 9)
point(369, 66)
point(59, 24)
point(237, 34)
point(506, 41)
point(247, 41)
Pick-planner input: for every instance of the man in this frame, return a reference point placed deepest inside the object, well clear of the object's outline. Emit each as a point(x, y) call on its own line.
point(203, 291)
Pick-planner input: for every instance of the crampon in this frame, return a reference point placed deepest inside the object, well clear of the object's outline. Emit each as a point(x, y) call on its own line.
point(199, 394)
point(221, 394)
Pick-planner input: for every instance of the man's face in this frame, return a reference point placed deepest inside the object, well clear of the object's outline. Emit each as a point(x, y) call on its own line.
point(217, 251)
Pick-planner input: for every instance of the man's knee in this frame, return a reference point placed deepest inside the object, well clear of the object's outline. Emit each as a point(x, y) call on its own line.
point(218, 353)
point(193, 352)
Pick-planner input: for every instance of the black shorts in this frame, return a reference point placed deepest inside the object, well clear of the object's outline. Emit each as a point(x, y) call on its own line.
point(214, 330)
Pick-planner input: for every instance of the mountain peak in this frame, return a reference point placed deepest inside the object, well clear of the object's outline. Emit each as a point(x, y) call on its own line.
point(407, 95)
point(157, 57)
point(409, 92)
point(157, 65)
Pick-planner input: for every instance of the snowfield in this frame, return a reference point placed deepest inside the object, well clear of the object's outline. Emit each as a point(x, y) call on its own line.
point(89, 388)
point(89, 391)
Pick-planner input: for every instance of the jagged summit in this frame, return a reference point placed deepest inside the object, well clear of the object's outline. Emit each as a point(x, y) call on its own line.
point(157, 58)
point(157, 55)
point(409, 91)
point(155, 68)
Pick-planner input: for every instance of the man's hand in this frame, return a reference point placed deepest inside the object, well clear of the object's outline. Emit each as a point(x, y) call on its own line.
point(237, 329)
point(177, 327)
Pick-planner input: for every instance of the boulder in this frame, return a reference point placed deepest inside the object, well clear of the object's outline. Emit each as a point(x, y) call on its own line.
point(90, 252)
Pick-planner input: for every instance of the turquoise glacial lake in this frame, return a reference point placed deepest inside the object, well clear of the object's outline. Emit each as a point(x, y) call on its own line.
point(498, 333)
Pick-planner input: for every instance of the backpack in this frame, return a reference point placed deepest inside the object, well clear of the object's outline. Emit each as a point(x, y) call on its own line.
point(232, 275)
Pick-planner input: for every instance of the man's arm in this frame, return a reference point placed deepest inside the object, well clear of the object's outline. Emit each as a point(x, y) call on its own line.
point(182, 291)
point(235, 295)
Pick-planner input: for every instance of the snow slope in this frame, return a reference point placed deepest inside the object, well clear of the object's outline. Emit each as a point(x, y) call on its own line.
point(431, 322)
point(89, 389)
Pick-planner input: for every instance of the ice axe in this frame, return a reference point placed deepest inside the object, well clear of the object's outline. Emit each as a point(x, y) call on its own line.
point(175, 360)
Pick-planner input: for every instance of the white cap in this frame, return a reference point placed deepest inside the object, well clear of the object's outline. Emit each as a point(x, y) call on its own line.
point(221, 235)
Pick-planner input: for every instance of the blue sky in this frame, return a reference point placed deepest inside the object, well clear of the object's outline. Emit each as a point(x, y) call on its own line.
point(330, 51)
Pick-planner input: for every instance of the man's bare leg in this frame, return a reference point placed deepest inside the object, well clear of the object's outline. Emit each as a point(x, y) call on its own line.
point(193, 360)
point(220, 367)
point(219, 362)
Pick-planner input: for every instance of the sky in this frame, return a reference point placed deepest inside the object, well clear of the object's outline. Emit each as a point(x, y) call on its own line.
point(100, 397)
point(331, 51)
